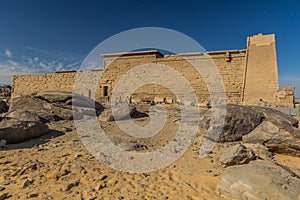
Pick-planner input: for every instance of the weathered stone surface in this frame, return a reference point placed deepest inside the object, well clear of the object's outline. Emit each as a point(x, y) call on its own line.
point(119, 112)
point(22, 115)
point(5, 93)
point(129, 146)
point(236, 155)
point(68, 99)
point(43, 109)
point(14, 131)
point(53, 106)
point(259, 180)
point(260, 151)
point(280, 139)
point(278, 118)
point(106, 116)
point(271, 128)
point(239, 121)
point(54, 96)
point(3, 106)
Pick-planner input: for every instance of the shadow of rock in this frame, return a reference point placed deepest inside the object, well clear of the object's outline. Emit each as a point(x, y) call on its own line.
point(33, 142)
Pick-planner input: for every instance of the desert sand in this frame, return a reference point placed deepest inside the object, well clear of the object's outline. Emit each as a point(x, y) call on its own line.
point(57, 166)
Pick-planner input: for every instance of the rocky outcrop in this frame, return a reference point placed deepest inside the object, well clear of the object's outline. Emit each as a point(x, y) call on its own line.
point(239, 121)
point(54, 106)
point(278, 137)
point(258, 125)
point(14, 130)
point(236, 155)
point(260, 180)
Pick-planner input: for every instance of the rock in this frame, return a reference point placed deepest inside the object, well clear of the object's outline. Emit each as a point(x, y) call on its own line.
point(119, 112)
point(14, 131)
point(4, 196)
point(7, 182)
point(100, 186)
point(33, 195)
point(103, 178)
point(5, 91)
point(3, 106)
point(259, 180)
point(187, 184)
point(130, 146)
point(26, 183)
point(3, 143)
point(236, 155)
point(260, 151)
point(54, 106)
point(239, 121)
point(69, 186)
point(278, 137)
point(278, 118)
point(54, 96)
point(22, 115)
point(106, 116)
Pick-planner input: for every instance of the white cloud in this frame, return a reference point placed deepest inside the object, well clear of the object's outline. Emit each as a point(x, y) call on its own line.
point(12, 62)
point(75, 64)
point(8, 53)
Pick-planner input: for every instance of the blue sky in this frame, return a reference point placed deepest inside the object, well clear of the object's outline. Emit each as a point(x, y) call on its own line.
point(58, 34)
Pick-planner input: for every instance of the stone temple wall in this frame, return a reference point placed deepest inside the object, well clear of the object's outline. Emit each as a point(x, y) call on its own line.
point(230, 64)
point(250, 76)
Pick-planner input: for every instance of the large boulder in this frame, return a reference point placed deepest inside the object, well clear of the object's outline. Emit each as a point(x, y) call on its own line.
point(279, 137)
point(260, 180)
point(67, 99)
point(53, 106)
point(14, 130)
point(119, 112)
point(236, 155)
point(239, 121)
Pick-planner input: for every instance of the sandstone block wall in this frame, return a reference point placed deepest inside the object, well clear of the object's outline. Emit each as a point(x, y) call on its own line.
point(230, 64)
point(261, 83)
point(250, 76)
point(61, 81)
point(285, 97)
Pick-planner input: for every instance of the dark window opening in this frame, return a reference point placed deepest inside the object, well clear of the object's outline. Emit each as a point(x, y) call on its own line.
point(105, 91)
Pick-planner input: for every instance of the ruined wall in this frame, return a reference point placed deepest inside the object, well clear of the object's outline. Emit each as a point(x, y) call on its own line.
point(26, 84)
point(61, 81)
point(285, 97)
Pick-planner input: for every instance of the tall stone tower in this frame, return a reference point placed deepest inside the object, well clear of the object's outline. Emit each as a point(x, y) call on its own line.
point(261, 78)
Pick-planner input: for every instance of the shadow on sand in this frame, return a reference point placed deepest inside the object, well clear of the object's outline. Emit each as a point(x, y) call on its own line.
point(33, 142)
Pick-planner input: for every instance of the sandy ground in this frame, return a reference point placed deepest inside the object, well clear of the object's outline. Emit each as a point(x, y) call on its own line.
point(57, 166)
